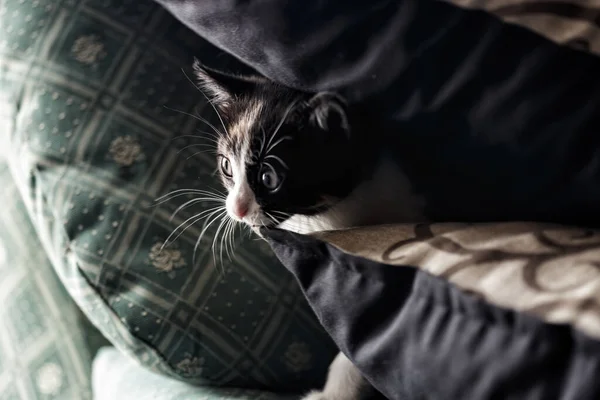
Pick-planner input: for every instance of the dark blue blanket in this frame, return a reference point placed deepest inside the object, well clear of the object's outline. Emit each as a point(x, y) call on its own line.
point(493, 121)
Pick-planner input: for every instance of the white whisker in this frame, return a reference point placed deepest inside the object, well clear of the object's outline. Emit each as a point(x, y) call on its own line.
point(224, 239)
point(200, 216)
point(228, 238)
point(207, 99)
point(195, 117)
point(191, 136)
point(196, 218)
point(278, 159)
point(271, 217)
point(194, 201)
point(269, 165)
point(213, 135)
point(207, 224)
point(263, 141)
point(223, 242)
point(277, 143)
point(285, 114)
point(212, 146)
point(163, 200)
point(282, 214)
point(216, 193)
point(229, 233)
point(216, 237)
point(232, 239)
point(200, 152)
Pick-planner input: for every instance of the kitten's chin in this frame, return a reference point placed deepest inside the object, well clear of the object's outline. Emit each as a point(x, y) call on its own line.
point(256, 230)
point(257, 227)
point(255, 222)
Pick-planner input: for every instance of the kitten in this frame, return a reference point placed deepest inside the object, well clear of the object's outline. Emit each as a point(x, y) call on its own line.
point(304, 162)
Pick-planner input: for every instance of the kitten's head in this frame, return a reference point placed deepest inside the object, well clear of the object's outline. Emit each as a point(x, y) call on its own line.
point(281, 152)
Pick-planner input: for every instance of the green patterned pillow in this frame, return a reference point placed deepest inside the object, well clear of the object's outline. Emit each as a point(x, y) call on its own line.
point(95, 141)
point(46, 344)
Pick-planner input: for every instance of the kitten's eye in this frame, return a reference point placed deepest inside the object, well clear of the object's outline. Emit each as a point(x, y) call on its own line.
point(270, 179)
point(226, 167)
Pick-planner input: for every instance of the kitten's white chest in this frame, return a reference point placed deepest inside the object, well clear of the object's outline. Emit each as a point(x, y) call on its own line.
point(386, 198)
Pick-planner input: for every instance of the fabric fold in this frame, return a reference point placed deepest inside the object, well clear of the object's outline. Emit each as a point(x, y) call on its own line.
point(415, 336)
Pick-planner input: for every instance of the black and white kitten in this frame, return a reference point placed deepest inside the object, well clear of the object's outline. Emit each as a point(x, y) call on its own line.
point(304, 162)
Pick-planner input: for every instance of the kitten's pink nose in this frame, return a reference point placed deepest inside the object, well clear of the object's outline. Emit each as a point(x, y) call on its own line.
point(240, 209)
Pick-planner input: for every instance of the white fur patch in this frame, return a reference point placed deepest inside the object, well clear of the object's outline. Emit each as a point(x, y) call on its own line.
point(344, 382)
point(241, 191)
point(386, 198)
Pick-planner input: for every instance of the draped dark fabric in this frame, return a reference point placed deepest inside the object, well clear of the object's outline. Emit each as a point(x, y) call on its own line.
point(499, 120)
point(415, 336)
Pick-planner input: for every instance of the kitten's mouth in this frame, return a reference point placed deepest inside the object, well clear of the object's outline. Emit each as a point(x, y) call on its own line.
point(261, 221)
point(267, 225)
point(258, 227)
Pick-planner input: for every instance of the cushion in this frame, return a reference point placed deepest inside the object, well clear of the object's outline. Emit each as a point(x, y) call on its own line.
point(458, 311)
point(46, 343)
point(99, 115)
point(464, 87)
point(117, 377)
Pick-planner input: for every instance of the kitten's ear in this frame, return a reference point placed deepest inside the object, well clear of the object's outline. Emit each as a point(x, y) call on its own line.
point(222, 88)
point(328, 112)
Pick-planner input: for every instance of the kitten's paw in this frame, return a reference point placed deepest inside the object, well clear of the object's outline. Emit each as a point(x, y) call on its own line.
point(317, 395)
point(320, 395)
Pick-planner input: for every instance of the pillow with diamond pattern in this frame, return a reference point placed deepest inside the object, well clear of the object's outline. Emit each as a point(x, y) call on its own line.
point(106, 122)
point(46, 344)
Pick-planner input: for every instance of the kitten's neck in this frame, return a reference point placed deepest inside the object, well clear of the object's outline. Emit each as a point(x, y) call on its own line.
point(385, 196)
point(363, 156)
